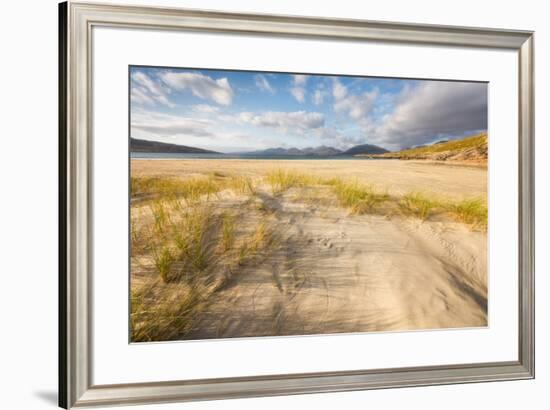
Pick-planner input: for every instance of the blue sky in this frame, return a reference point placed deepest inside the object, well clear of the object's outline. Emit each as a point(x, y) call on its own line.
point(233, 111)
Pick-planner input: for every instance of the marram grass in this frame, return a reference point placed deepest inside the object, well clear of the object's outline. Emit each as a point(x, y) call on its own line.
point(190, 241)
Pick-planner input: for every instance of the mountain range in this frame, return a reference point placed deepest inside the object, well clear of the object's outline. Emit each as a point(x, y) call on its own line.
point(321, 151)
point(138, 145)
point(280, 151)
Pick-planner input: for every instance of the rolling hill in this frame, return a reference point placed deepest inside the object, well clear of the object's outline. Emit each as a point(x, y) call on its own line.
point(137, 145)
point(471, 149)
point(365, 149)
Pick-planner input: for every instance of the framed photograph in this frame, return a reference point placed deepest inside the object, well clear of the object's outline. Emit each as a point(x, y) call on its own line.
point(258, 205)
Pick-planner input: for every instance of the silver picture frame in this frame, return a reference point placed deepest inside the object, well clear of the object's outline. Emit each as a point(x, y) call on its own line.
point(76, 21)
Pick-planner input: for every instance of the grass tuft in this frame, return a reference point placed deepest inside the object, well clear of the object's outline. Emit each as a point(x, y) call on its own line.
point(228, 233)
point(358, 198)
point(241, 185)
point(163, 312)
point(419, 205)
point(195, 241)
point(163, 259)
point(191, 189)
point(281, 180)
point(160, 216)
point(472, 212)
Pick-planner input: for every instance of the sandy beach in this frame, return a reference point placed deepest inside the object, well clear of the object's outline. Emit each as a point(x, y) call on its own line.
point(312, 265)
point(395, 176)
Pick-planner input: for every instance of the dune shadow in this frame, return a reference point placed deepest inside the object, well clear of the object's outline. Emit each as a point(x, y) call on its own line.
point(466, 286)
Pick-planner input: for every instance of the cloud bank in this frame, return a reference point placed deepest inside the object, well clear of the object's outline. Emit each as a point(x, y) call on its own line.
point(202, 86)
point(357, 106)
point(300, 121)
point(145, 91)
point(432, 110)
point(338, 111)
point(166, 125)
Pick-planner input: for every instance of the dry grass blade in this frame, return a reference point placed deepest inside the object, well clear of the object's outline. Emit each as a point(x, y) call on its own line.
point(358, 198)
point(281, 180)
point(418, 205)
point(473, 212)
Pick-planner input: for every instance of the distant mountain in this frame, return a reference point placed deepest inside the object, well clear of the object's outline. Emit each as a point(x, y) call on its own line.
point(365, 149)
point(137, 145)
point(323, 151)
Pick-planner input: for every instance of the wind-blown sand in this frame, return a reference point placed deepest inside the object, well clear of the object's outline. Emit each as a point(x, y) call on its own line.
point(334, 272)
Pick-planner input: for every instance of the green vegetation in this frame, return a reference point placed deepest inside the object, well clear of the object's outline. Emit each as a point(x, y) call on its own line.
point(195, 239)
point(360, 199)
point(281, 180)
point(160, 215)
point(477, 145)
point(187, 259)
point(188, 240)
point(228, 232)
point(163, 262)
point(191, 190)
point(471, 211)
point(241, 185)
point(163, 313)
point(419, 205)
point(190, 246)
point(357, 197)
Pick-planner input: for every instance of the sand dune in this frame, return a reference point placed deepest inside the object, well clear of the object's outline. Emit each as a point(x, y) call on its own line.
point(333, 272)
point(336, 273)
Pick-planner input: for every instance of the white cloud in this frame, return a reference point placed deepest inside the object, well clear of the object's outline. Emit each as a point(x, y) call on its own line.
point(155, 124)
point(262, 84)
point(434, 109)
point(418, 114)
point(357, 106)
point(298, 91)
point(300, 79)
point(139, 95)
point(318, 97)
point(205, 108)
point(339, 91)
point(202, 86)
point(297, 121)
point(146, 91)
